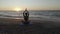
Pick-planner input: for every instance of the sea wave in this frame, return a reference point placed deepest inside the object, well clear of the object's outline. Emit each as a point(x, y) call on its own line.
point(54, 14)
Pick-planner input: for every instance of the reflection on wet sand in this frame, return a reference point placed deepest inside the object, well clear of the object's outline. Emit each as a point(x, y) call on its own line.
point(13, 26)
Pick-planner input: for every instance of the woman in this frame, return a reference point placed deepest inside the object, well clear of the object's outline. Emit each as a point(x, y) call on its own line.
point(26, 16)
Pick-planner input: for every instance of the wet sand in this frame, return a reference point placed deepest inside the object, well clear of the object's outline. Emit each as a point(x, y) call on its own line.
point(12, 26)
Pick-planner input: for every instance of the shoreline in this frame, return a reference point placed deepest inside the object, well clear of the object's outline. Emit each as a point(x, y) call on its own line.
point(6, 21)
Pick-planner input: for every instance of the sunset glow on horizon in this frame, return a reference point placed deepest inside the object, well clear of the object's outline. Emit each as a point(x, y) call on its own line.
point(17, 9)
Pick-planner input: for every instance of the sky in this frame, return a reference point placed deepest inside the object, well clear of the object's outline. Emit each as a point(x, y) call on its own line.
point(30, 4)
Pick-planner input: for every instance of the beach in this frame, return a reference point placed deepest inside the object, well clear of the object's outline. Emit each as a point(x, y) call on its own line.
point(12, 26)
point(40, 22)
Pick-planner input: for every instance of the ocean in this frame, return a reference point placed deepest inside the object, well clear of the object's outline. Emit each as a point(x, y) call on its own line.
point(33, 14)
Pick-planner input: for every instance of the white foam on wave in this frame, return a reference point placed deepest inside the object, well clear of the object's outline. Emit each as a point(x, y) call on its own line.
point(36, 17)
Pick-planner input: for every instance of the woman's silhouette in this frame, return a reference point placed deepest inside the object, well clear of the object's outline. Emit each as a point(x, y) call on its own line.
point(26, 16)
